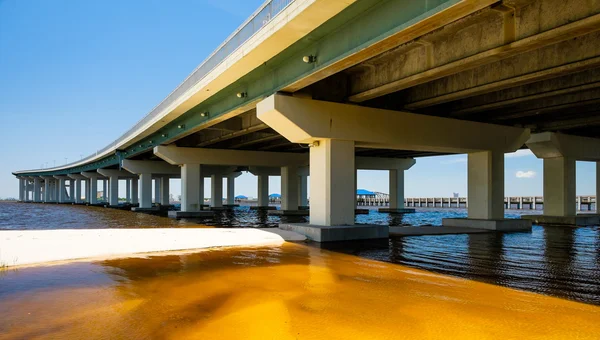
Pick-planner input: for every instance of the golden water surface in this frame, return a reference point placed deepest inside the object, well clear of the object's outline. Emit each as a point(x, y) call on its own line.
point(290, 292)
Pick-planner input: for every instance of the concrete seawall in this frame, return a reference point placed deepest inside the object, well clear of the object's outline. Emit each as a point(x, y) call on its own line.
point(30, 247)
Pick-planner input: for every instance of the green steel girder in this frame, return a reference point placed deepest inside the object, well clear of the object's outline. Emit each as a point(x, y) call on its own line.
point(357, 27)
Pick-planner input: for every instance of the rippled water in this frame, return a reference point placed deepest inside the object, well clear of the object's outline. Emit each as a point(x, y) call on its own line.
point(288, 292)
point(558, 261)
point(52, 216)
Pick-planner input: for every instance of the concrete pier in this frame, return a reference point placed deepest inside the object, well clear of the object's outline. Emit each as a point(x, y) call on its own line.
point(425, 84)
point(559, 153)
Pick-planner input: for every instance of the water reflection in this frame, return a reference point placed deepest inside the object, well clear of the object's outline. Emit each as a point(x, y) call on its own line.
point(287, 292)
point(558, 261)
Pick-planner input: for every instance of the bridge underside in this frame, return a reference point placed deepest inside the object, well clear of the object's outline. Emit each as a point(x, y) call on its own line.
point(474, 73)
point(525, 63)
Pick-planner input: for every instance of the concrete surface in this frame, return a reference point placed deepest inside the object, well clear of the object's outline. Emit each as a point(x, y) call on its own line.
point(417, 231)
point(497, 225)
point(191, 214)
point(397, 211)
point(337, 233)
point(289, 212)
point(27, 247)
point(263, 208)
point(575, 220)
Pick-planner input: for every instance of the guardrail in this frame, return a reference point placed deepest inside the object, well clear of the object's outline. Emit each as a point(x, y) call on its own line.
point(263, 15)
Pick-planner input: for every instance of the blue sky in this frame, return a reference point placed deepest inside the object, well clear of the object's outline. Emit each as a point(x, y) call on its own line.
point(74, 75)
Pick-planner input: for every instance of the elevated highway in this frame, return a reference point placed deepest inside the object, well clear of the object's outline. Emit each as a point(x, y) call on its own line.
point(340, 85)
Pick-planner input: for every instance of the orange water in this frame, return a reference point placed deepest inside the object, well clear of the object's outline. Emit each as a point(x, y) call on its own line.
point(289, 292)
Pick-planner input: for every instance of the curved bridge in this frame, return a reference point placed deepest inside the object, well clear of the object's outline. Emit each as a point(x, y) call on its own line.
point(340, 85)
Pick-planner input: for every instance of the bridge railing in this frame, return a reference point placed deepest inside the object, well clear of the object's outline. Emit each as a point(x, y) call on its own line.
point(263, 15)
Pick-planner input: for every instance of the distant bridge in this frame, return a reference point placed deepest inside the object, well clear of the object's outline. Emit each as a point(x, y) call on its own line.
point(584, 203)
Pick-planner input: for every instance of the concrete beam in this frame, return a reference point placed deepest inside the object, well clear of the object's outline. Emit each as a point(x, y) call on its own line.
point(77, 176)
point(554, 145)
point(264, 171)
point(153, 167)
point(93, 186)
point(553, 36)
point(374, 163)
point(306, 121)
point(400, 37)
point(519, 81)
point(118, 173)
point(177, 156)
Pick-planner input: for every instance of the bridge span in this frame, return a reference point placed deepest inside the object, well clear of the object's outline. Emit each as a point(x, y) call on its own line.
point(326, 87)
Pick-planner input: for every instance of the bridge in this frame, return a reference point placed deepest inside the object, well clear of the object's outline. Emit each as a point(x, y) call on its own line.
point(326, 87)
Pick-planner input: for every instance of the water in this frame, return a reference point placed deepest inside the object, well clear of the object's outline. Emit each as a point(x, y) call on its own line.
point(367, 289)
point(288, 292)
point(51, 216)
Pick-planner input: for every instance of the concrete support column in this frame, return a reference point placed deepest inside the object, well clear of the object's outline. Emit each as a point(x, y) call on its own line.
point(62, 191)
point(303, 191)
point(86, 192)
point(47, 190)
point(105, 190)
point(164, 190)
point(230, 189)
point(26, 190)
point(397, 189)
point(486, 185)
point(597, 186)
point(355, 188)
point(134, 191)
point(289, 188)
point(37, 186)
point(146, 190)
point(71, 190)
point(263, 190)
point(113, 199)
point(216, 191)
point(332, 168)
point(56, 192)
point(201, 189)
point(559, 186)
point(128, 190)
point(77, 190)
point(21, 189)
point(93, 191)
point(190, 185)
point(157, 190)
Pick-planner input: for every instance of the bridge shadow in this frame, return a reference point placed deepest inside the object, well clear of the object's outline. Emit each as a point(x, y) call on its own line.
point(557, 261)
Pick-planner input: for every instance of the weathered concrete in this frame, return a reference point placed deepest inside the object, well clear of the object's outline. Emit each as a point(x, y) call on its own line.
point(281, 212)
point(321, 233)
point(190, 214)
point(144, 209)
point(574, 220)
point(270, 207)
point(396, 211)
point(422, 231)
point(27, 247)
point(306, 121)
point(488, 224)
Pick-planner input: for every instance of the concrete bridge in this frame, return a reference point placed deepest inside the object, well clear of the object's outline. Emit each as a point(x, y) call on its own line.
point(326, 87)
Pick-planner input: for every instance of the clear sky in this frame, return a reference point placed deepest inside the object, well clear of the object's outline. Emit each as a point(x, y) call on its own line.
point(74, 75)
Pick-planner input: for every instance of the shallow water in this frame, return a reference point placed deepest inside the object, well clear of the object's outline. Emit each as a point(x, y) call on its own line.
point(288, 292)
point(558, 261)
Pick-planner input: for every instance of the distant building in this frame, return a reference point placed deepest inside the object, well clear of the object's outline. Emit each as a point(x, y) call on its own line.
point(455, 195)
